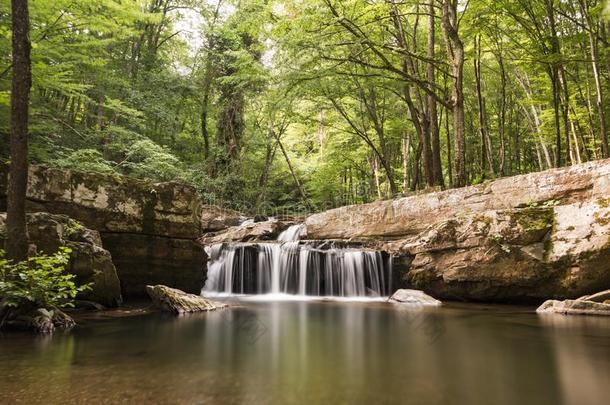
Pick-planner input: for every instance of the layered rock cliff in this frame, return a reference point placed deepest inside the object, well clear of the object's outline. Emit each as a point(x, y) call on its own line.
point(149, 228)
point(523, 238)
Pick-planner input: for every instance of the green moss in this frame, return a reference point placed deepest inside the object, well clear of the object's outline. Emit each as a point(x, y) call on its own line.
point(602, 219)
point(534, 218)
point(72, 228)
point(483, 218)
point(417, 278)
point(603, 202)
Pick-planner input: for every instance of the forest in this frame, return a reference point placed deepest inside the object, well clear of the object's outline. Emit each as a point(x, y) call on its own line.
point(294, 105)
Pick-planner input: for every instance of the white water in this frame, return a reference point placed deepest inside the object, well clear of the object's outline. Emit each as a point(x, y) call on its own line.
point(293, 233)
point(290, 268)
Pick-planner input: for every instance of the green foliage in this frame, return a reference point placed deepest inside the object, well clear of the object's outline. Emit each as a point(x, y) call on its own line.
point(206, 92)
point(40, 281)
point(87, 160)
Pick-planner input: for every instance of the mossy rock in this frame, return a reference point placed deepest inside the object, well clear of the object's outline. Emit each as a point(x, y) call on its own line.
point(535, 218)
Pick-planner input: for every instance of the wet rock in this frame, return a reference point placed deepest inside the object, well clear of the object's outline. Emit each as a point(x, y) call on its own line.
point(178, 302)
point(602, 296)
point(260, 218)
point(215, 219)
point(413, 297)
point(255, 231)
point(574, 307)
point(38, 320)
point(89, 261)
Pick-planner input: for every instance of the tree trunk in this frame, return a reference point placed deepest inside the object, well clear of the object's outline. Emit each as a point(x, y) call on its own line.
point(419, 117)
point(293, 173)
point(566, 113)
point(375, 170)
point(17, 238)
point(416, 170)
point(455, 51)
point(599, 100)
point(556, 79)
point(437, 167)
point(204, 121)
point(486, 151)
point(406, 145)
point(554, 75)
point(264, 177)
point(502, 115)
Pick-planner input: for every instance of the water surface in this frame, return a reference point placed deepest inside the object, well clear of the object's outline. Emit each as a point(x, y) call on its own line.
point(293, 352)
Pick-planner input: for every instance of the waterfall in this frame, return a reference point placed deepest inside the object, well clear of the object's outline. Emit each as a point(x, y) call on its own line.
point(291, 266)
point(292, 234)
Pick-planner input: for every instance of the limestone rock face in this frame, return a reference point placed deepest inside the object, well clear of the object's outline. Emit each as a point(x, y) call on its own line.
point(179, 302)
point(413, 297)
point(116, 204)
point(524, 254)
point(89, 261)
point(518, 239)
point(149, 228)
point(409, 216)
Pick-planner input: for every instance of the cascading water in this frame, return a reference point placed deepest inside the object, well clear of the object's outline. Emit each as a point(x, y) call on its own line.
point(291, 266)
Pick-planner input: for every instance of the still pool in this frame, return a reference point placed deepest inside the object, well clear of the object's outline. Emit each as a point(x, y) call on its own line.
point(310, 352)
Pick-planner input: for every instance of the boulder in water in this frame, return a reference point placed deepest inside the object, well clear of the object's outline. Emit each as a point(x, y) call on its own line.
point(178, 302)
point(594, 304)
point(574, 307)
point(413, 297)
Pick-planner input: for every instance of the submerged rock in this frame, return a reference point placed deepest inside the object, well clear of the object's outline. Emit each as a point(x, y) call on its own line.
point(178, 302)
point(413, 297)
point(574, 307)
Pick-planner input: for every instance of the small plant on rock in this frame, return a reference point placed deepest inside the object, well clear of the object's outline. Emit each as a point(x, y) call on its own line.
point(32, 292)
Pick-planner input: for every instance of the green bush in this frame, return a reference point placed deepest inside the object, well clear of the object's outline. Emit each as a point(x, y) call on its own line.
point(40, 281)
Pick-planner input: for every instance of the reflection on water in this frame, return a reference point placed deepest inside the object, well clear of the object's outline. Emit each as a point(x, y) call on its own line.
point(317, 353)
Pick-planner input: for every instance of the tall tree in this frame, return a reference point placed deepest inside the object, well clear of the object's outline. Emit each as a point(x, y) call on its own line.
point(455, 50)
point(17, 238)
point(434, 126)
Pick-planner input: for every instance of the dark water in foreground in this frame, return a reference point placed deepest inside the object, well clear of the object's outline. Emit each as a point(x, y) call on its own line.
point(316, 353)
